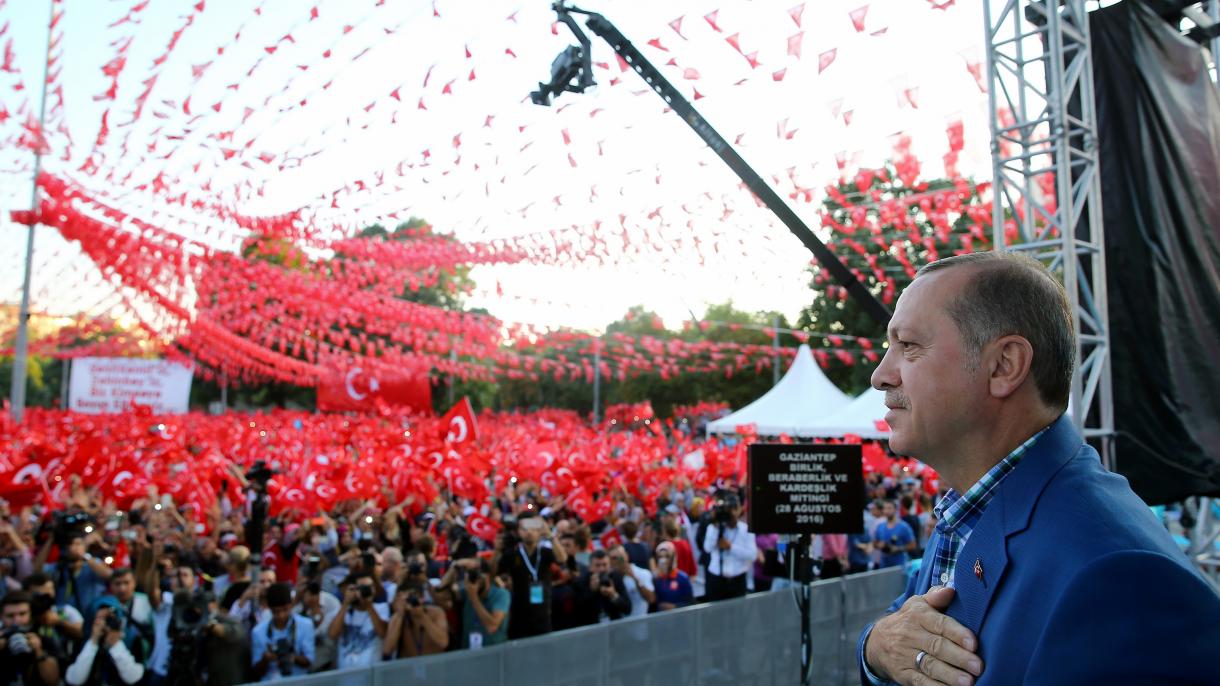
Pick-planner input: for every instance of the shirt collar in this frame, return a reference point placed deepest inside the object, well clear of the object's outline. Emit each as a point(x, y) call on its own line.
point(956, 509)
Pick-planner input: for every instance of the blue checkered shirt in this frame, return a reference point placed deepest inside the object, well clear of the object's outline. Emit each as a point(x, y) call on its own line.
point(957, 514)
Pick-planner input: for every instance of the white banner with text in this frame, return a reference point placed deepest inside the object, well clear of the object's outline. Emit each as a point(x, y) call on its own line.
point(102, 385)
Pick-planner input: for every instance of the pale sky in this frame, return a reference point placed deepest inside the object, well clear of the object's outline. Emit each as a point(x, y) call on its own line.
point(626, 161)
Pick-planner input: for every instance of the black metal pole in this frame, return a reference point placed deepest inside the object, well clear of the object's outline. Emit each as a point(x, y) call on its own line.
point(803, 567)
point(827, 259)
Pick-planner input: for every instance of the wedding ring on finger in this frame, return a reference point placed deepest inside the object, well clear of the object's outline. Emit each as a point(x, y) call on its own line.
point(919, 658)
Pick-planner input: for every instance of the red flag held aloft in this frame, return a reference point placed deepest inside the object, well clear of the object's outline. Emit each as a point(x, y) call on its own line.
point(459, 424)
point(361, 389)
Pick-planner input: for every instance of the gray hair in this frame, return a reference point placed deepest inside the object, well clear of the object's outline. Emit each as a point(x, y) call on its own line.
point(1011, 293)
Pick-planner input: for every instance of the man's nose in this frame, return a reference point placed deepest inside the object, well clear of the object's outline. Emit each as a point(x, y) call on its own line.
point(885, 376)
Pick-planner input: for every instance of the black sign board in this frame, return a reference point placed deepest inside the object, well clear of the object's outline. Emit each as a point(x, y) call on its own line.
point(806, 489)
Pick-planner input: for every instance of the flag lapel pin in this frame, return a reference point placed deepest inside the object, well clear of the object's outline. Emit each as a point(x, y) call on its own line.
point(978, 571)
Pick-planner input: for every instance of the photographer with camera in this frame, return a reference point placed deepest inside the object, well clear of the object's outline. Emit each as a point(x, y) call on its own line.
point(638, 581)
point(251, 608)
point(731, 548)
point(283, 645)
point(485, 605)
point(27, 657)
point(105, 660)
point(528, 563)
point(417, 625)
point(565, 594)
point(361, 624)
point(64, 622)
point(16, 558)
point(206, 647)
point(80, 578)
point(321, 608)
point(603, 595)
point(318, 605)
point(189, 626)
point(136, 611)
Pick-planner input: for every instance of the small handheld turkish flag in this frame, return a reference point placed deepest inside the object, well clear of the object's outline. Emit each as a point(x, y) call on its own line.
point(485, 528)
point(611, 538)
point(459, 425)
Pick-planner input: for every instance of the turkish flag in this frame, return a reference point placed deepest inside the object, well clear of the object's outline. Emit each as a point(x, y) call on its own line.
point(359, 389)
point(24, 487)
point(459, 425)
point(611, 538)
point(539, 459)
point(485, 528)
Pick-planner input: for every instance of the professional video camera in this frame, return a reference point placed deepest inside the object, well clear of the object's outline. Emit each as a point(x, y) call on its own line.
point(725, 508)
point(187, 631)
point(67, 523)
point(191, 613)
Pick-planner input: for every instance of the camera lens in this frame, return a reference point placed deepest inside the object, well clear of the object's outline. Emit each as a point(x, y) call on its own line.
point(366, 592)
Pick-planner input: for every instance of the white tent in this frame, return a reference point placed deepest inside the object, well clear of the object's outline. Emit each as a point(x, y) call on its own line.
point(796, 404)
point(859, 417)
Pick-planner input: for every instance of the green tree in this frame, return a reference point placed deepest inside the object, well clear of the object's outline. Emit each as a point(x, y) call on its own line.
point(885, 224)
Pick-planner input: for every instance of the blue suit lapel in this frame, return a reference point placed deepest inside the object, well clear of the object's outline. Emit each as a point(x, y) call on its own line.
point(980, 566)
point(982, 563)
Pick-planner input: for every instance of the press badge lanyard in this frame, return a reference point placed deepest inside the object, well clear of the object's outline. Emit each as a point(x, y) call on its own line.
point(536, 587)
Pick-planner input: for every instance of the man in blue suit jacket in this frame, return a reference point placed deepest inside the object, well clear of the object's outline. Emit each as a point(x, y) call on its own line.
point(1044, 568)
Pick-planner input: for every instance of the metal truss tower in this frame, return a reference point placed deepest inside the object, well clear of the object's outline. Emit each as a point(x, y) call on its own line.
point(1047, 192)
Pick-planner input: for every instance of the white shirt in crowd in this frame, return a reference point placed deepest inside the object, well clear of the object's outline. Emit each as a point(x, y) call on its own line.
point(243, 612)
point(358, 644)
point(740, 556)
point(129, 670)
point(328, 606)
point(158, 662)
point(639, 606)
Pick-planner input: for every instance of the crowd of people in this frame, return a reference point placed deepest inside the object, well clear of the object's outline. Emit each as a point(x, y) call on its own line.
point(98, 596)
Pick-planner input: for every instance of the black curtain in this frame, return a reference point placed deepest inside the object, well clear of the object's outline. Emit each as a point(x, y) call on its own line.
point(1159, 123)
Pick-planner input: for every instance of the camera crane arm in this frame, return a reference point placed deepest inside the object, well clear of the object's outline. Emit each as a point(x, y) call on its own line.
point(572, 71)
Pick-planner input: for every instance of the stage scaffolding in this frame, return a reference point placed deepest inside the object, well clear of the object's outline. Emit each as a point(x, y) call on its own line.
point(1047, 186)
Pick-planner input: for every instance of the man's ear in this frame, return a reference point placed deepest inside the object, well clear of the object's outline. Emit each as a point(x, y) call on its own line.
point(1009, 359)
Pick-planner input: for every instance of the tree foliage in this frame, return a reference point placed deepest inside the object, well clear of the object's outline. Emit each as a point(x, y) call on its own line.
point(885, 224)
